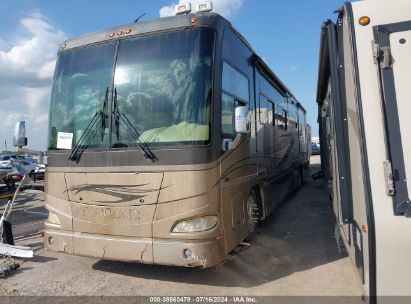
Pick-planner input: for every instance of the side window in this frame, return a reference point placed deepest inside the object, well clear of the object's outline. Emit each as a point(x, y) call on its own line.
point(263, 110)
point(266, 111)
point(292, 114)
point(235, 83)
point(301, 124)
point(281, 117)
point(235, 93)
point(227, 115)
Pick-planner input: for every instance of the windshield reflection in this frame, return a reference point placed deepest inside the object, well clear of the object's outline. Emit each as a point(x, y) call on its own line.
point(163, 85)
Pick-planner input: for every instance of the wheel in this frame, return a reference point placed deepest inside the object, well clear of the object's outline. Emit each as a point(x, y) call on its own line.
point(253, 213)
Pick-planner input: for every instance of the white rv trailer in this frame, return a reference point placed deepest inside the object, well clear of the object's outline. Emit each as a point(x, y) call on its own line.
point(364, 96)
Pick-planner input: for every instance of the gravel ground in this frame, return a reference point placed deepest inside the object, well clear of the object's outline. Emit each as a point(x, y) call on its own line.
point(293, 253)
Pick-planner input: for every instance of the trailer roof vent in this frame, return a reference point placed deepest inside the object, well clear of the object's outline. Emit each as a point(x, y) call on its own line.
point(204, 7)
point(184, 8)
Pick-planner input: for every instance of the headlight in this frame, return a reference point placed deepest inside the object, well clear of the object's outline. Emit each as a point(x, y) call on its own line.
point(53, 219)
point(196, 224)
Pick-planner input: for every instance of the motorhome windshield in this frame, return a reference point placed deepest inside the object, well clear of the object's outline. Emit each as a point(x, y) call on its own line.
point(161, 85)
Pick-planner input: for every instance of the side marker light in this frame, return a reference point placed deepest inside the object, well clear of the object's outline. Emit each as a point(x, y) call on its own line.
point(364, 20)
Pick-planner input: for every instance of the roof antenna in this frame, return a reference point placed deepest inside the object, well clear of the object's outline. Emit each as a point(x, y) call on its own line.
point(135, 21)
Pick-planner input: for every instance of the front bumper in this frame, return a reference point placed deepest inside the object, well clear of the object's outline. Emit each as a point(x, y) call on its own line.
point(144, 250)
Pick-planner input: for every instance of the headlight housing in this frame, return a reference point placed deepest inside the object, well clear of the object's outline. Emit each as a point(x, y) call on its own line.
point(53, 219)
point(196, 224)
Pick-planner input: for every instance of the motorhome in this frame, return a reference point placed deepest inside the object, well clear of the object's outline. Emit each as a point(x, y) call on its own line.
point(168, 141)
point(363, 103)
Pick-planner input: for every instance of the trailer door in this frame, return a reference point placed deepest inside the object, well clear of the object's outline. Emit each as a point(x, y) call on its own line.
point(392, 53)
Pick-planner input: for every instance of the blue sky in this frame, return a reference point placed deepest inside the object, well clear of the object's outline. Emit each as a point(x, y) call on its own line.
point(285, 33)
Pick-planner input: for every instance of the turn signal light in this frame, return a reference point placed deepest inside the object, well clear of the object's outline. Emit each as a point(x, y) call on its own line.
point(364, 20)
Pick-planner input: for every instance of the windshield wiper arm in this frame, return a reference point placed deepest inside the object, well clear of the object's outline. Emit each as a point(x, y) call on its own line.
point(83, 143)
point(122, 118)
point(85, 137)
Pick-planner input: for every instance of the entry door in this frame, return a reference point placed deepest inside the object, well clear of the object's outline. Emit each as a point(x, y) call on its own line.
point(393, 45)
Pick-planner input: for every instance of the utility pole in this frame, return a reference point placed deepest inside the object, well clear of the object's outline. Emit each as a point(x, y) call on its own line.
point(5, 144)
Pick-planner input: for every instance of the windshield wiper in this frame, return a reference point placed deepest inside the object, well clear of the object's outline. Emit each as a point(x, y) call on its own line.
point(122, 118)
point(84, 141)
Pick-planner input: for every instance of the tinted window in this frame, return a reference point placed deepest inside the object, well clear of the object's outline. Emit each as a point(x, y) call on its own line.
point(235, 93)
point(235, 83)
point(82, 80)
point(281, 117)
point(266, 111)
point(227, 114)
point(163, 86)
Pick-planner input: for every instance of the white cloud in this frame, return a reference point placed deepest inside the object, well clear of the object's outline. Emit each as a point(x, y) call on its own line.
point(293, 68)
point(26, 70)
point(225, 8)
point(166, 11)
point(3, 44)
point(36, 98)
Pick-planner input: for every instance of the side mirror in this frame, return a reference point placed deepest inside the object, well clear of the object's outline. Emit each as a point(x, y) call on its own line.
point(20, 139)
point(241, 124)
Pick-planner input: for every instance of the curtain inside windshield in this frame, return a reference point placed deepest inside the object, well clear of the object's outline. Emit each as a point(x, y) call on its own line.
point(163, 88)
point(81, 87)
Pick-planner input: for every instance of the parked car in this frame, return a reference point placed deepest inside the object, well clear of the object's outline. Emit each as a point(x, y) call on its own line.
point(315, 148)
point(39, 171)
point(4, 171)
point(29, 167)
point(5, 160)
point(8, 176)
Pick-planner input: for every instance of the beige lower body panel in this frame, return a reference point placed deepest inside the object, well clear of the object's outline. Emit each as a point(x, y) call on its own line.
point(132, 249)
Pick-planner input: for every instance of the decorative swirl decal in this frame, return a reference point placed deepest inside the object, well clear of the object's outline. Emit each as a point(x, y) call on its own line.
point(124, 193)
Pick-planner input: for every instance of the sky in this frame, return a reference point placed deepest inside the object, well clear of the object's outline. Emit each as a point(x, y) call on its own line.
point(284, 33)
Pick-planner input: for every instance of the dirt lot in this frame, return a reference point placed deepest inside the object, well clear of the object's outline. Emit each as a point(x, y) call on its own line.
point(293, 253)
